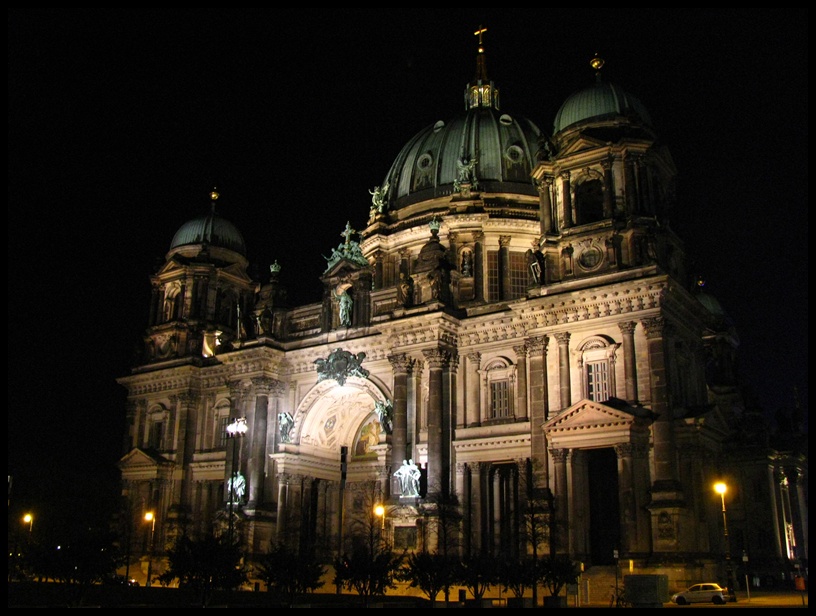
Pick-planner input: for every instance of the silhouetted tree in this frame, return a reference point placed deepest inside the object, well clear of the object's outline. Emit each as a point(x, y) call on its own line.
point(431, 573)
point(205, 564)
point(371, 568)
point(443, 521)
point(558, 571)
point(288, 574)
point(517, 575)
point(478, 573)
point(537, 515)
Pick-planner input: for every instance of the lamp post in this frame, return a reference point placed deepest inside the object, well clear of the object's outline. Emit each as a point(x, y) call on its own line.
point(721, 488)
point(29, 519)
point(150, 517)
point(379, 510)
point(236, 429)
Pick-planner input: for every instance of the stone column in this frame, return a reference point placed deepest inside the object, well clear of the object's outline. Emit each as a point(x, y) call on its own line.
point(401, 365)
point(378, 270)
point(453, 251)
point(665, 464)
point(544, 187)
point(505, 286)
point(497, 499)
point(567, 199)
point(257, 447)
point(521, 394)
point(537, 348)
point(437, 359)
point(608, 189)
point(236, 411)
point(187, 420)
point(629, 360)
point(630, 186)
point(640, 472)
point(473, 397)
point(478, 266)
point(561, 498)
point(626, 496)
point(283, 505)
point(478, 505)
point(564, 380)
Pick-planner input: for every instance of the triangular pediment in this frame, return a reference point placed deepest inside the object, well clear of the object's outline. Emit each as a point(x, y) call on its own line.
point(579, 144)
point(589, 414)
point(344, 267)
point(594, 424)
point(140, 463)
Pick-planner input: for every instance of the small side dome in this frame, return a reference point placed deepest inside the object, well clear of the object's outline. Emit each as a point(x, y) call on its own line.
point(210, 229)
point(598, 102)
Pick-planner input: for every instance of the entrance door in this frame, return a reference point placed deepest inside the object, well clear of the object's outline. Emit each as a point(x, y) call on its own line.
point(604, 508)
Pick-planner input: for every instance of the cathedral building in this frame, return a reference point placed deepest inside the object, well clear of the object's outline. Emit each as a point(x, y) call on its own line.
point(511, 321)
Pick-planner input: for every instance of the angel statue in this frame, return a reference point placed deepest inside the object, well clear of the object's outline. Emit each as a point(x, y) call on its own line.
point(378, 195)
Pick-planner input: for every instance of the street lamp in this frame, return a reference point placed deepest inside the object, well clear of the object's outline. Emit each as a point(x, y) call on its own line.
point(379, 511)
point(721, 488)
point(29, 519)
point(150, 517)
point(235, 429)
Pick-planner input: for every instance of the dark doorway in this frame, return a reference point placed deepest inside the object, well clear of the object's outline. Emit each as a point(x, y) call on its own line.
point(604, 509)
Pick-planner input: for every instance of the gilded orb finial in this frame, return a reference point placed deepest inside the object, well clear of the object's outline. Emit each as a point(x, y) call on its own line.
point(214, 194)
point(597, 62)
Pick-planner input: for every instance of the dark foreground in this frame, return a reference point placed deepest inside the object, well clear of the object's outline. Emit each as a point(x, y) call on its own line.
point(38, 595)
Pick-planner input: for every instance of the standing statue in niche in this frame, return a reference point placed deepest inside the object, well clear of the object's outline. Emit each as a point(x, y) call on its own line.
point(408, 475)
point(345, 308)
point(285, 424)
point(406, 291)
point(467, 263)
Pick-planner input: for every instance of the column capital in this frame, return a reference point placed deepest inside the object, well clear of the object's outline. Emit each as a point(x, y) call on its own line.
point(537, 344)
point(562, 337)
point(401, 363)
point(654, 327)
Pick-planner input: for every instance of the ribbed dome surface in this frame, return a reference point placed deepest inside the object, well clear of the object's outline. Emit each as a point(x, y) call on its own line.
point(211, 229)
point(711, 304)
point(504, 148)
point(600, 101)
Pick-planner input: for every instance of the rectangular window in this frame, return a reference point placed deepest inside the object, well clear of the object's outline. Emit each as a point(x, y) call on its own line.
point(492, 275)
point(499, 399)
point(223, 422)
point(597, 377)
point(518, 275)
point(156, 434)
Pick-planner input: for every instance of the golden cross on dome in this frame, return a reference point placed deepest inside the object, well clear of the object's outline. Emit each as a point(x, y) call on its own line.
point(479, 33)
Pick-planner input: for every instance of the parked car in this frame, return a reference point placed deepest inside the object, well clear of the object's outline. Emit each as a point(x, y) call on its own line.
point(701, 593)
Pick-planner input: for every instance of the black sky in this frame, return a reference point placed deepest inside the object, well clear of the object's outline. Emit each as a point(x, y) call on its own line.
point(121, 121)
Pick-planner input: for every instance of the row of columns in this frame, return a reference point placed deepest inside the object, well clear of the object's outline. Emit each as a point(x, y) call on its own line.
point(637, 198)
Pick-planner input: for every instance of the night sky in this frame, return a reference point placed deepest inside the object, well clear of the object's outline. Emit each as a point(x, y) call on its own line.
point(122, 120)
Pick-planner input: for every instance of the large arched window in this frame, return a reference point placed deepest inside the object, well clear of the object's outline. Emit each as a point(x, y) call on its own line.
point(500, 388)
point(588, 196)
point(597, 363)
